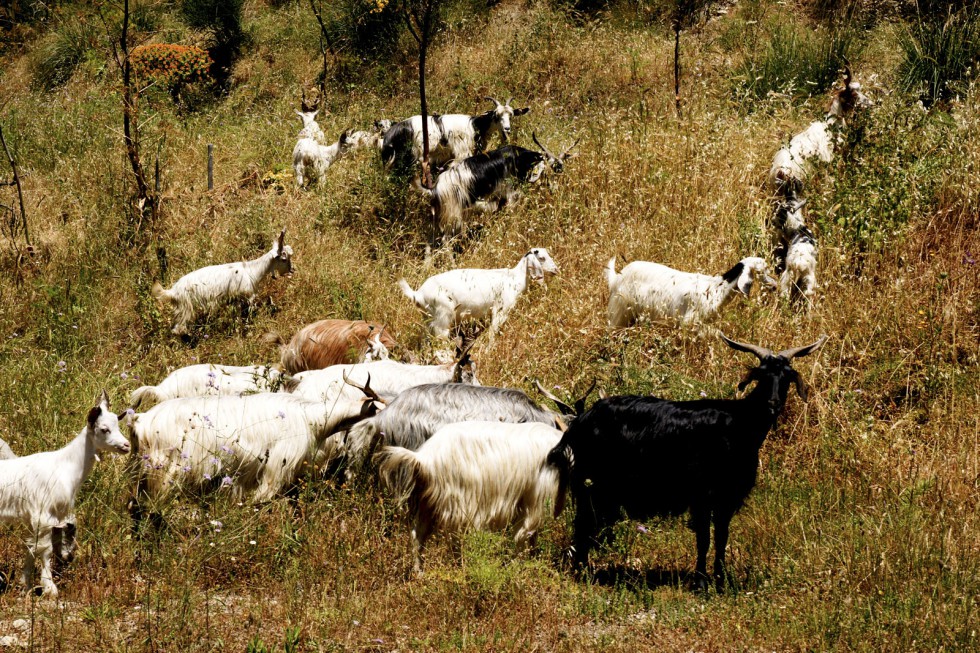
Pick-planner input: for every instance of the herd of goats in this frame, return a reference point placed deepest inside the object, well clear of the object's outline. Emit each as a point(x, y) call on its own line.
point(458, 454)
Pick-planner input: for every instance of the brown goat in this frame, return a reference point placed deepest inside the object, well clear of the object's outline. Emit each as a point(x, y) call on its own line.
point(331, 342)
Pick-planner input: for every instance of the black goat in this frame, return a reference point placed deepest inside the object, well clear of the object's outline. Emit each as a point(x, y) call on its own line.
point(647, 456)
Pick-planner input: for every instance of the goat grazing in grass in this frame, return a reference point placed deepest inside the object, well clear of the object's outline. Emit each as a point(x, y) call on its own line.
point(206, 380)
point(370, 139)
point(657, 292)
point(488, 182)
point(452, 297)
point(645, 456)
point(333, 342)
point(451, 136)
point(311, 160)
point(39, 490)
point(474, 476)
point(819, 140)
point(204, 290)
point(256, 444)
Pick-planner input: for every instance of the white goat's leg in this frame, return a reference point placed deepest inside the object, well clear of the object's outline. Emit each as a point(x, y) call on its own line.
point(39, 550)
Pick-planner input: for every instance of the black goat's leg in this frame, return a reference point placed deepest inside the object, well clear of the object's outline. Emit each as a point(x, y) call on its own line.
point(722, 521)
point(701, 525)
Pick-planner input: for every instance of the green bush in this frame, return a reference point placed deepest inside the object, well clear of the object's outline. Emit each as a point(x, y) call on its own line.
point(59, 56)
point(223, 18)
point(795, 60)
point(941, 51)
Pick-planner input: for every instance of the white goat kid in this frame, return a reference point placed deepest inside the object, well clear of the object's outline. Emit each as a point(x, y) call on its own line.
point(476, 294)
point(474, 476)
point(256, 444)
point(800, 275)
point(644, 290)
point(311, 160)
point(206, 380)
point(204, 290)
point(39, 490)
point(820, 139)
point(310, 127)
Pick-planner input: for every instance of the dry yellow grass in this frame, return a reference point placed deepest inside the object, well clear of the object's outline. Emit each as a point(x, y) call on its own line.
point(863, 531)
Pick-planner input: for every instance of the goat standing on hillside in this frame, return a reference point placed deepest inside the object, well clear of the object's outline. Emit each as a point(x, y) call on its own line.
point(39, 490)
point(476, 294)
point(657, 292)
point(645, 456)
point(333, 342)
point(472, 476)
point(819, 140)
point(204, 290)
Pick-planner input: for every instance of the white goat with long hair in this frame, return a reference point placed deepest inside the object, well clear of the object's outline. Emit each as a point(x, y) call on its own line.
point(645, 290)
point(39, 490)
point(388, 378)
point(204, 290)
point(208, 379)
point(311, 159)
point(476, 294)
point(255, 444)
point(310, 127)
point(475, 476)
point(820, 139)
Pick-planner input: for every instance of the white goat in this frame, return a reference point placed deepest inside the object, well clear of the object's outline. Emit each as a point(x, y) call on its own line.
point(370, 139)
point(310, 127)
point(208, 379)
point(820, 139)
point(452, 297)
point(311, 160)
point(256, 444)
point(388, 378)
point(800, 274)
point(62, 537)
point(39, 490)
point(474, 475)
point(206, 289)
point(657, 292)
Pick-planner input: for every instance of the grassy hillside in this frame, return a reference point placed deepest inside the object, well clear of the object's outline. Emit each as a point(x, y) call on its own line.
point(864, 530)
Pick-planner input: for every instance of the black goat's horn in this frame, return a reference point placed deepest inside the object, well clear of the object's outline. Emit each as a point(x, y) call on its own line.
point(796, 352)
point(562, 406)
point(760, 352)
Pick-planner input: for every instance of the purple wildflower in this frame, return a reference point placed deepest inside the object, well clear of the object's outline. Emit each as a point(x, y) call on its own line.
point(226, 481)
point(642, 529)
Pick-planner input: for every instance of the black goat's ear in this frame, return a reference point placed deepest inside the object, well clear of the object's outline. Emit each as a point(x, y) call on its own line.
point(801, 388)
point(749, 378)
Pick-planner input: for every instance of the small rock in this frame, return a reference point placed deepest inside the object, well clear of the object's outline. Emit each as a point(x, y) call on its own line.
point(21, 624)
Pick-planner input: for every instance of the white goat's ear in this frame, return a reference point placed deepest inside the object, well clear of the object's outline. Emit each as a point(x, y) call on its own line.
point(300, 114)
point(744, 283)
point(534, 266)
point(104, 398)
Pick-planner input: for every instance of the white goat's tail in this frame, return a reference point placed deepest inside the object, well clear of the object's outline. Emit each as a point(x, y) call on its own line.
point(160, 293)
point(147, 394)
point(611, 273)
point(400, 472)
point(411, 294)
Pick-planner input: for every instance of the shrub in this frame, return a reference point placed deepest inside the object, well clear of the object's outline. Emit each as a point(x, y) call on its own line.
point(169, 65)
point(795, 61)
point(941, 50)
point(223, 18)
point(60, 55)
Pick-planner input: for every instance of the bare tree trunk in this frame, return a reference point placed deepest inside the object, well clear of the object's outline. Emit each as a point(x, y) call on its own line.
point(324, 41)
point(20, 193)
point(144, 198)
point(423, 51)
point(677, 65)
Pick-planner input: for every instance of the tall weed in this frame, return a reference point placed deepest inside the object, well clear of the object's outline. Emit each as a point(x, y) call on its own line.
point(62, 52)
point(941, 51)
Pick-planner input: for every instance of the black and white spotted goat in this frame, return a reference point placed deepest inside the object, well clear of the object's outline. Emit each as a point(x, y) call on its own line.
point(488, 182)
point(453, 136)
point(643, 456)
